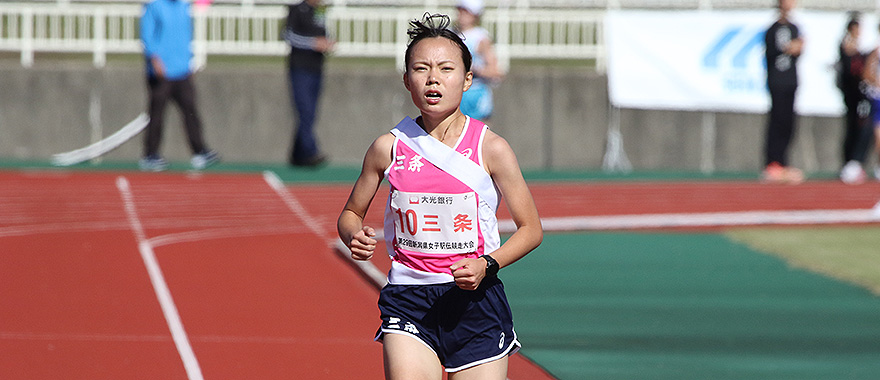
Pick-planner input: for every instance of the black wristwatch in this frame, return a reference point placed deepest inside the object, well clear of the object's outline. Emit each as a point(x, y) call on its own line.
point(491, 266)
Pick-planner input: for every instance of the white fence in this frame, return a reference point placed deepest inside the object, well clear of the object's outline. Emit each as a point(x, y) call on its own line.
point(100, 30)
point(840, 5)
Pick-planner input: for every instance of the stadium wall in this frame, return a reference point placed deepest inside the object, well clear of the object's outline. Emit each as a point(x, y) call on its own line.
point(554, 117)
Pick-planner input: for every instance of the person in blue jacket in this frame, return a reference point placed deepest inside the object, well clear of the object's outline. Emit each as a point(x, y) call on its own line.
point(167, 32)
point(306, 33)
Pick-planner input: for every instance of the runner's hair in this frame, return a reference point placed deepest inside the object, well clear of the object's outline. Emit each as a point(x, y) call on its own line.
point(433, 26)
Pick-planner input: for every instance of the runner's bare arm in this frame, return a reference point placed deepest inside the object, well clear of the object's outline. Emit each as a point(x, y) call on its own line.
point(350, 225)
point(490, 70)
point(501, 164)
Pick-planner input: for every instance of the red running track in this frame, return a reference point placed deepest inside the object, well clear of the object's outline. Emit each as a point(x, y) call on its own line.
point(253, 279)
point(248, 269)
point(621, 198)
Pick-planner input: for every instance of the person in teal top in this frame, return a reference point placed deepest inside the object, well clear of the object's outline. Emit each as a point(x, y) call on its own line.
point(167, 32)
point(477, 101)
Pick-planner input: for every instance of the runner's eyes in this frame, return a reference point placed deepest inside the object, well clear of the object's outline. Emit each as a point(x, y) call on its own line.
point(425, 68)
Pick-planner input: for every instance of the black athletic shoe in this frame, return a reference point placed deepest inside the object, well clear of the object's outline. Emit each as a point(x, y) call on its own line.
point(312, 162)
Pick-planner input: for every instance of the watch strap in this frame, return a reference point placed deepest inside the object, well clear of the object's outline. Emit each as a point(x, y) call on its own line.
point(492, 266)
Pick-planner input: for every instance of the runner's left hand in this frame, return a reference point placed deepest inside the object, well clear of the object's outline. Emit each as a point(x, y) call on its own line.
point(468, 273)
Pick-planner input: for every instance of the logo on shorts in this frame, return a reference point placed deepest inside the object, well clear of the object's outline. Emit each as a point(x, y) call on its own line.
point(393, 323)
point(501, 342)
point(410, 328)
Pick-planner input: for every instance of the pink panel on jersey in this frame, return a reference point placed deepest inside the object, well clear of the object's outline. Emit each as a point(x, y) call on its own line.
point(421, 176)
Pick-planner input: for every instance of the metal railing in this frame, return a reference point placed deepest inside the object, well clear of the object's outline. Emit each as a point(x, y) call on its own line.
point(29, 28)
point(842, 5)
point(234, 30)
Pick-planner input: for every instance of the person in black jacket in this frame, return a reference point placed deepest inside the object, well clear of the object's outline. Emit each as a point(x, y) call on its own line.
point(857, 133)
point(307, 37)
point(783, 47)
point(871, 77)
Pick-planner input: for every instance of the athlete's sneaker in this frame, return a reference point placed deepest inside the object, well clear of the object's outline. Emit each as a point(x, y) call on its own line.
point(311, 162)
point(853, 173)
point(773, 173)
point(793, 176)
point(778, 174)
point(204, 159)
point(152, 163)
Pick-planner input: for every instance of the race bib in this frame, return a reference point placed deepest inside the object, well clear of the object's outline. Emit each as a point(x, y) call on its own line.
point(435, 223)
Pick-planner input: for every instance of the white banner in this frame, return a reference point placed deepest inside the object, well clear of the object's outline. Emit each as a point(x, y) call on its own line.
point(714, 61)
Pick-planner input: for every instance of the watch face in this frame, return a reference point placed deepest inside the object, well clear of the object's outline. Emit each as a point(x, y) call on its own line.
point(491, 265)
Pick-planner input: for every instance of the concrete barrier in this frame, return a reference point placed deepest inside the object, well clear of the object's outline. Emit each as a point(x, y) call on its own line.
point(553, 117)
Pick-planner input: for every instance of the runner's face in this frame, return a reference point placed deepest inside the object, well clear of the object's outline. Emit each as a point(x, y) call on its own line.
point(436, 76)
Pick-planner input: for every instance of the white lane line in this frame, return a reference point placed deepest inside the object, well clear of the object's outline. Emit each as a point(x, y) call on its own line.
point(293, 204)
point(296, 207)
point(219, 233)
point(712, 219)
point(366, 267)
point(164, 338)
point(38, 229)
point(82, 337)
point(178, 334)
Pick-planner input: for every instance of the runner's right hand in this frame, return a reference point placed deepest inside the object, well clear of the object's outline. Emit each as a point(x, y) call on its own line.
point(362, 244)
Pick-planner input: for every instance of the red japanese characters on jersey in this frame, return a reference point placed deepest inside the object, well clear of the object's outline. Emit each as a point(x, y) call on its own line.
point(435, 223)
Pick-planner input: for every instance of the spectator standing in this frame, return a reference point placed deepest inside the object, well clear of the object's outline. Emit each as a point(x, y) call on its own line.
point(166, 32)
point(871, 75)
point(477, 101)
point(783, 44)
point(857, 132)
point(307, 36)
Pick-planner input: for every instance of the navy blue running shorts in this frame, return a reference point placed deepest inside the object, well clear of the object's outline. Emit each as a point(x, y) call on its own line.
point(464, 328)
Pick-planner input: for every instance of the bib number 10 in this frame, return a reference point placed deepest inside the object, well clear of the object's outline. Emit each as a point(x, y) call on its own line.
point(435, 223)
point(408, 220)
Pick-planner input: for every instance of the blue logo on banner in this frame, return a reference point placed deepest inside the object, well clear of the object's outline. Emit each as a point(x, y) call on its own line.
point(734, 57)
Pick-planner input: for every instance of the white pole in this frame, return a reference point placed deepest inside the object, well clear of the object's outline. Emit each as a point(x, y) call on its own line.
point(402, 38)
point(99, 58)
point(707, 151)
point(502, 35)
point(615, 159)
point(27, 37)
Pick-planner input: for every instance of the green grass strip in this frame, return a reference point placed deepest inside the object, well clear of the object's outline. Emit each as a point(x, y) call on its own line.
point(686, 306)
point(845, 252)
point(348, 173)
